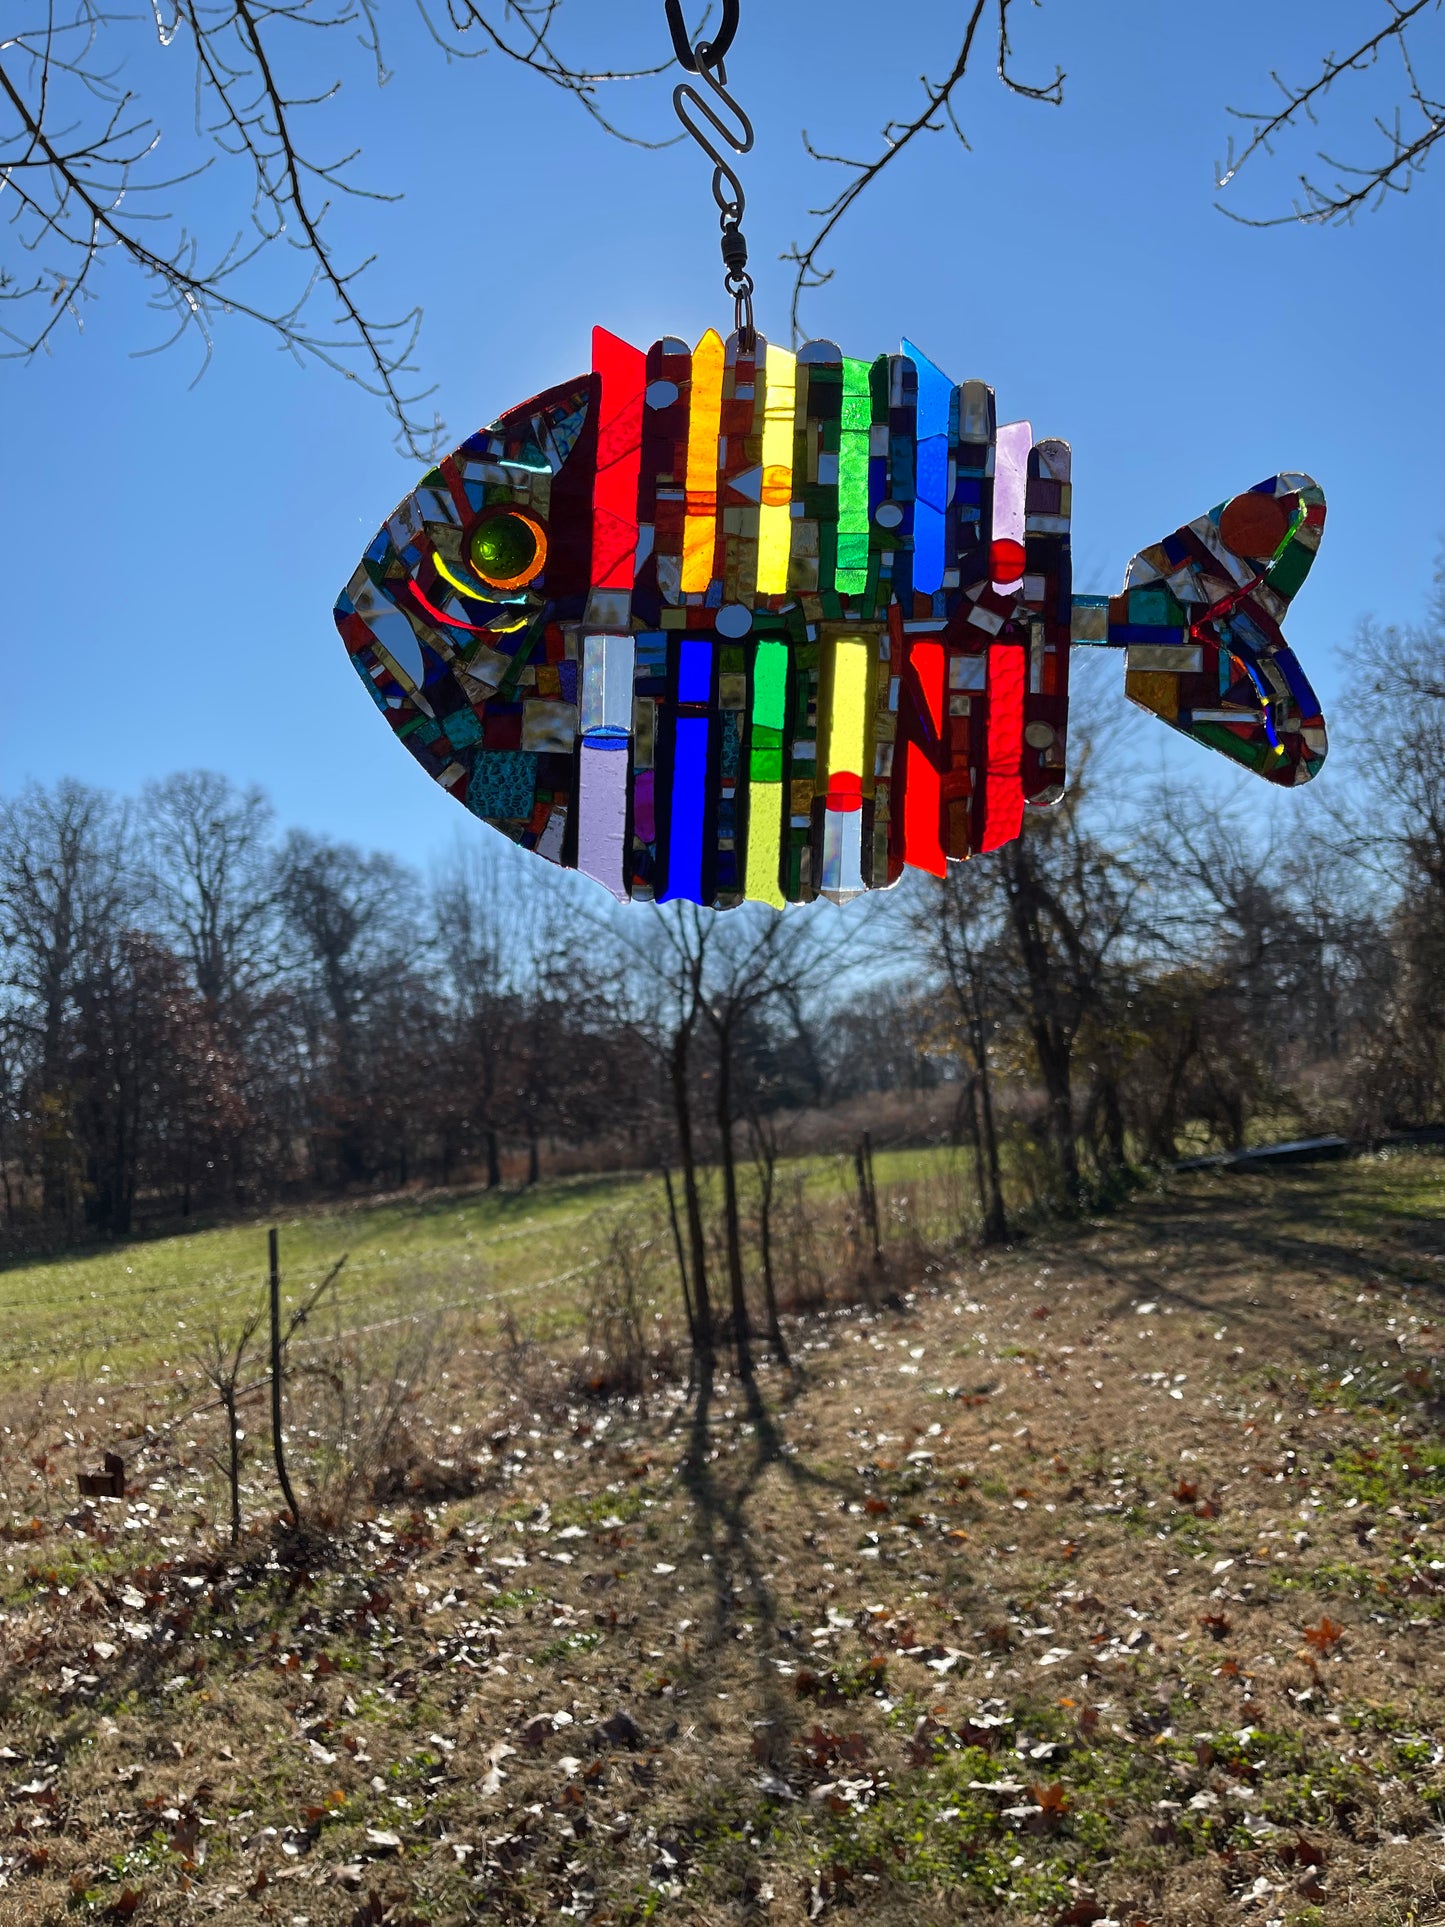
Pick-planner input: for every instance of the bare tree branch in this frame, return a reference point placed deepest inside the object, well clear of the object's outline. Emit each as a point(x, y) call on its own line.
point(1416, 123)
point(534, 24)
point(898, 134)
point(80, 184)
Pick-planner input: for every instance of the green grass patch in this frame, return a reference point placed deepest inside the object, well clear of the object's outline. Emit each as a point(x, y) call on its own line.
point(140, 1310)
point(1392, 1473)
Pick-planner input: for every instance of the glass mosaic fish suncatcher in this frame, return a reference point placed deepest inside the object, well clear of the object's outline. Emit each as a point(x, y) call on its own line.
point(719, 626)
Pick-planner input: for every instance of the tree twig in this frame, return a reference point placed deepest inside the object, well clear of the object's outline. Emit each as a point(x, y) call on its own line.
point(79, 181)
point(1406, 148)
point(897, 135)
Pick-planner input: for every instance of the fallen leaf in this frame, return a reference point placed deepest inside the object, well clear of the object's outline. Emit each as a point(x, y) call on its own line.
point(1052, 1799)
point(1328, 1633)
point(1085, 1910)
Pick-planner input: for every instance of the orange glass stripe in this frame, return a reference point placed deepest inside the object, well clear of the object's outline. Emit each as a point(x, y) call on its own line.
point(699, 535)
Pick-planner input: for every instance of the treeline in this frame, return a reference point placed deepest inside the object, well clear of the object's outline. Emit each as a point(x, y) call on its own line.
point(202, 1014)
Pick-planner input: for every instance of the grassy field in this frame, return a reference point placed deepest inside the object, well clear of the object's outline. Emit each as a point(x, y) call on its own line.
point(1098, 1580)
point(136, 1307)
point(133, 1310)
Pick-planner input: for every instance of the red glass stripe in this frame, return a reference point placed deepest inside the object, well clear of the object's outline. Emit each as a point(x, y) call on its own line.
point(623, 372)
point(1003, 810)
point(922, 797)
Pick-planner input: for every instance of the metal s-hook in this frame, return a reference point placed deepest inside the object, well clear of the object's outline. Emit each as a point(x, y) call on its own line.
point(706, 61)
point(685, 95)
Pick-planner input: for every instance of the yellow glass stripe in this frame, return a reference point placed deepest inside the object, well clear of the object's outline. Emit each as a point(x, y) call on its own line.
point(699, 530)
point(775, 517)
point(765, 840)
point(845, 731)
point(478, 591)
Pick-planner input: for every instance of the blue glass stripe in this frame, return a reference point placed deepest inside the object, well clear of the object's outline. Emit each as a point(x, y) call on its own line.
point(935, 405)
point(694, 671)
point(689, 809)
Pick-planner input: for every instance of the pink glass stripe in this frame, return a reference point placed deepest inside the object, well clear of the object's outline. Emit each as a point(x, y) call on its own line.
point(1012, 444)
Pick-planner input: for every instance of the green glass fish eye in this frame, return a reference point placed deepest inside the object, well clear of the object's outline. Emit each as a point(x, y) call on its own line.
point(508, 549)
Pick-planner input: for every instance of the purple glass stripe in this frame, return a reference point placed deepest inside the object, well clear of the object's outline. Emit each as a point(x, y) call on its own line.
point(602, 815)
point(1010, 480)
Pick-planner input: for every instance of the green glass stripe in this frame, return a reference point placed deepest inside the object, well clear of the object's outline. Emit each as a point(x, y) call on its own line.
point(857, 417)
point(770, 685)
point(1290, 570)
point(1252, 751)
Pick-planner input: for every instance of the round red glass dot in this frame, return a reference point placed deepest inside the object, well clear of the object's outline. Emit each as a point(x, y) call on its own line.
point(1007, 560)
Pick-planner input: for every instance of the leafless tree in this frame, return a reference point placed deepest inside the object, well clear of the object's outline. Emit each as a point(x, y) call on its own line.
point(704, 980)
point(353, 934)
point(65, 890)
point(152, 1085)
point(207, 863)
point(484, 949)
point(1397, 739)
point(1395, 834)
point(957, 923)
point(670, 960)
point(222, 1361)
point(756, 960)
point(1071, 897)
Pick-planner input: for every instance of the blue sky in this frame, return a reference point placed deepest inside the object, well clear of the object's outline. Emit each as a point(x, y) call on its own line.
point(179, 547)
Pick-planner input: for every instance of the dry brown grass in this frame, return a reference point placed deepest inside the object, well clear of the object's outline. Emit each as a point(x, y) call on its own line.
point(1102, 1579)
